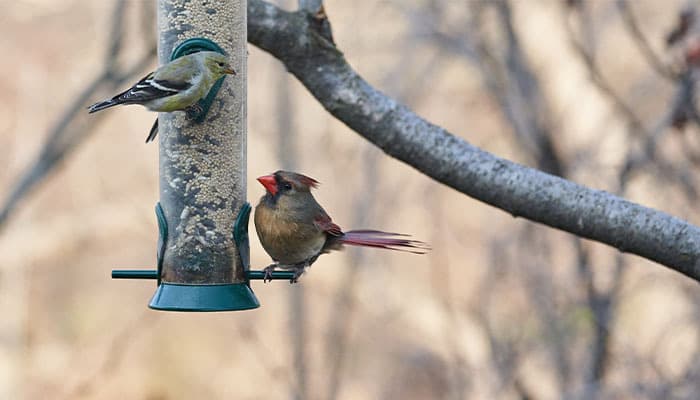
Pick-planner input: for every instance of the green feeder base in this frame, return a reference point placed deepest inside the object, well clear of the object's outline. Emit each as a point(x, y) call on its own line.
point(218, 297)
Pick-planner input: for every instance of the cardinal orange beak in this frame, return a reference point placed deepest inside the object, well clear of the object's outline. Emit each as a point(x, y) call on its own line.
point(270, 183)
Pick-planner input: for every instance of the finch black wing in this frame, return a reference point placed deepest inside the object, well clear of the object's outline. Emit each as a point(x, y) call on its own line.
point(149, 88)
point(145, 90)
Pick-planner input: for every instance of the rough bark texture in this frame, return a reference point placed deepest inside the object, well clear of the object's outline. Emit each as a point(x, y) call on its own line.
point(306, 51)
point(203, 166)
point(310, 5)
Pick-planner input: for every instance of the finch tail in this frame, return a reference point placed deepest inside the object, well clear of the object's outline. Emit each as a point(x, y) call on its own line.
point(384, 240)
point(102, 105)
point(153, 133)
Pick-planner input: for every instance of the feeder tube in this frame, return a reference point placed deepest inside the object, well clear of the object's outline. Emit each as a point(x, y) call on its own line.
point(203, 165)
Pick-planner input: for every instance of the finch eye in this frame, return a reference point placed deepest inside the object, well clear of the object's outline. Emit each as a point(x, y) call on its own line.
point(220, 64)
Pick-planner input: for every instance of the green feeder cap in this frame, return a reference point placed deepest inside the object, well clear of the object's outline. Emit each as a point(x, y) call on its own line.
point(218, 297)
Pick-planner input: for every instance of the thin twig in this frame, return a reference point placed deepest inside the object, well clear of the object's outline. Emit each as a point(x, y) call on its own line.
point(70, 130)
point(642, 42)
point(598, 79)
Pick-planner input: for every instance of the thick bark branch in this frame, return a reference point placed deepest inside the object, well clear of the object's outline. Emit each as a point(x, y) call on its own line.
point(314, 60)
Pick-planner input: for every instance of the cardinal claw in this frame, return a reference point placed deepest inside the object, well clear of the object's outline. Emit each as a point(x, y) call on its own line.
point(268, 273)
point(297, 274)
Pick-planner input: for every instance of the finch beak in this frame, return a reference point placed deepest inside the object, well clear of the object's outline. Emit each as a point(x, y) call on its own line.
point(270, 183)
point(230, 71)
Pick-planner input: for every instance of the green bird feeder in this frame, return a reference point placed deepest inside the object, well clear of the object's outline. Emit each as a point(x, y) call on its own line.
point(203, 253)
point(203, 297)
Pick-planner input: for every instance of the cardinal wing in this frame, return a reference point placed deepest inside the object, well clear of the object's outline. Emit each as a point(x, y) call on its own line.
point(324, 223)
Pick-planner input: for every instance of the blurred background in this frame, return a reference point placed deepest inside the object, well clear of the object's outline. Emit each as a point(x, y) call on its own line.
point(599, 92)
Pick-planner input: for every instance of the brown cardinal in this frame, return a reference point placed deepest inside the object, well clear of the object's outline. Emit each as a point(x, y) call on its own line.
point(294, 229)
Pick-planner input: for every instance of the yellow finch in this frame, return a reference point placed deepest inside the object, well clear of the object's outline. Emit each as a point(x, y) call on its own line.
point(177, 85)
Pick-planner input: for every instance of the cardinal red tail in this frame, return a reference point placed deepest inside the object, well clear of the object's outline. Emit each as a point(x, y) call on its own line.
point(384, 240)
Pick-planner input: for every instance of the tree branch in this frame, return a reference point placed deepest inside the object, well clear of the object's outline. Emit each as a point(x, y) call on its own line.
point(521, 191)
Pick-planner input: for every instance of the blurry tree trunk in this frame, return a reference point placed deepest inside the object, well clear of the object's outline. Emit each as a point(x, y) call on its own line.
point(14, 301)
point(342, 310)
point(288, 157)
point(516, 88)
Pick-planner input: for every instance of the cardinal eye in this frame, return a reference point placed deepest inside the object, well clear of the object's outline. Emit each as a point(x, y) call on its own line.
point(286, 186)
